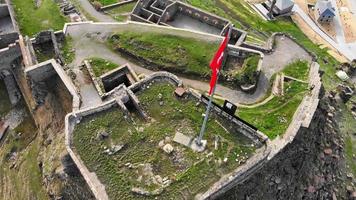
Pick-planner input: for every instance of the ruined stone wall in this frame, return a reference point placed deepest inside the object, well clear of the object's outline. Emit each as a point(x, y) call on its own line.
point(45, 70)
point(8, 55)
point(4, 11)
point(201, 15)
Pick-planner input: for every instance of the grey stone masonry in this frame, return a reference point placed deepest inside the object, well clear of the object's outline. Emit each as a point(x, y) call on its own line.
point(45, 70)
point(181, 15)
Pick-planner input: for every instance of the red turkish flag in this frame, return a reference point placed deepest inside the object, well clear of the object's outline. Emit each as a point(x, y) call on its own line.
point(216, 62)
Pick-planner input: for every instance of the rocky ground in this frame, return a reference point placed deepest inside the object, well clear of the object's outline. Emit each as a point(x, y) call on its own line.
point(312, 167)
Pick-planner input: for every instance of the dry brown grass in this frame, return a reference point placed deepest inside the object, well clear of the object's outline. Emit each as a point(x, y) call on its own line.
point(316, 38)
point(348, 20)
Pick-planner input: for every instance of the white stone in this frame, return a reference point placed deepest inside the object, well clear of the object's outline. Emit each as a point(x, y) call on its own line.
point(168, 148)
point(161, 143)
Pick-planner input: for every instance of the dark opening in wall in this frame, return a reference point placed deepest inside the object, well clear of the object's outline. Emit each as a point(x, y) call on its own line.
point(110, 84)
point(133, 109)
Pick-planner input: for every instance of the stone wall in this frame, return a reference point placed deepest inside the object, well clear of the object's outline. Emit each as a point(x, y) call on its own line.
point(45, 70)
point(4, 11)
point(269, 46)
point(118, 4)
point(7, 37)
point(71, 120)
point(8, 55)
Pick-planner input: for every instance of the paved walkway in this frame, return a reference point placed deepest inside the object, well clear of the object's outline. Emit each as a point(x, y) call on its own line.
point(353, 7)
point(348, 50)
point(340, 35)
point(90, 10)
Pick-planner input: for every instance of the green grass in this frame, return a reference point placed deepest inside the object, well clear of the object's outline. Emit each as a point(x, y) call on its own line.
point(67, 50)
point(105, 2)
point(171, 53)
point(274, 117)
point(298, 69)
point(238, 11)
point(142, 146)
point(120, 13)
point(5, 104)
point(248, 73)
point(100, 66)
point(347, 127)
point(33, 20)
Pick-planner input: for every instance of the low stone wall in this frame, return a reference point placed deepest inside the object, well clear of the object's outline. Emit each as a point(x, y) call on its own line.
point(118, 4)
point(97, 81)
point(269, 46)
point(304, 113)
point(71, 120)
point(157, 76)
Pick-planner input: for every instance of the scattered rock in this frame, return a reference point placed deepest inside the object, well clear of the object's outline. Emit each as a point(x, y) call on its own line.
point(328, 151)
point(140, 191)
point(102, 135)
point(161, 143)
point(141, 129)
point(168, 148)
point(167, 139)
point(311, 189)
point(161, 103)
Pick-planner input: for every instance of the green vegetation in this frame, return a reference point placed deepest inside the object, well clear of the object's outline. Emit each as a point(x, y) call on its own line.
point(26, 176)
point(347, 127)
point(171, 53)
point(32, 20)
point(101, 66)
point(67, 49)
point(140, 138)
point(5, 104)
point(43, 55)
point(121, 13)
point(103, 2)
point(298, 70)
point(248, 73)
point(240, 13)
point(274, 117)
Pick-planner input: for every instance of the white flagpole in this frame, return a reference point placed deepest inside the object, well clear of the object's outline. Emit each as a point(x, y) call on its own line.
point(203, 127)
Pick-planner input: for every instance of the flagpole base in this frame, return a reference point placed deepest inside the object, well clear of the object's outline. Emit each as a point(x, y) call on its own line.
point(198, 147)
